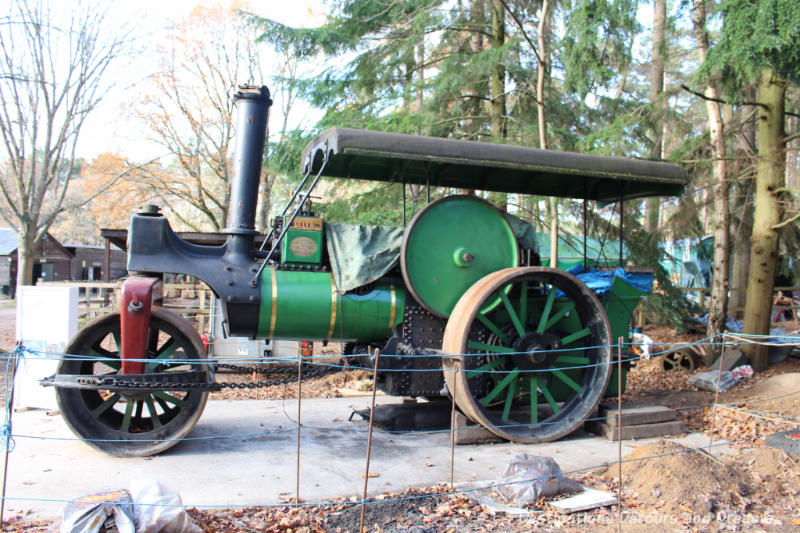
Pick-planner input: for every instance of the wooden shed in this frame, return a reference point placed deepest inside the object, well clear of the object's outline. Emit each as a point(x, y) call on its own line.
point(52, 261)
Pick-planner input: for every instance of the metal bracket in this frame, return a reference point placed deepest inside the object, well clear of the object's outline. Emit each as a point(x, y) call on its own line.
point(135, 304)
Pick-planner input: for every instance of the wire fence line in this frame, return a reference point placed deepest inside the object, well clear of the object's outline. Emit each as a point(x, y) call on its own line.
point(324, 360)
point(16, 357)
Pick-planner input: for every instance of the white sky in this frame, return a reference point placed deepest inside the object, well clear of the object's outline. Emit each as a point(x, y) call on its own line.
point(108, 129)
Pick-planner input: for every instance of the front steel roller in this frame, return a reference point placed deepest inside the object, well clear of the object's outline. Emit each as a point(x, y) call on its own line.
point(136, 423)
point(533, 348)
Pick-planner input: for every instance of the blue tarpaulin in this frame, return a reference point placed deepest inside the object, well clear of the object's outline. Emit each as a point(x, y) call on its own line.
point(599, 281)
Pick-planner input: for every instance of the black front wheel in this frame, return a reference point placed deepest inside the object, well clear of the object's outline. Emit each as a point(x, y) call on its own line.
point(135, 423)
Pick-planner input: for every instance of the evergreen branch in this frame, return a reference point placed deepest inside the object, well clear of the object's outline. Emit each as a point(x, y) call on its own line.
point(722, 101)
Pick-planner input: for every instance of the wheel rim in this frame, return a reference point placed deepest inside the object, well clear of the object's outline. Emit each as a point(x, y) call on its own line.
point(541, 357)
point(140, 422)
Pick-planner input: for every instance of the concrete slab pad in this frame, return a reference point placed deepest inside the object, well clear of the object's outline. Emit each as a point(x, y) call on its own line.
point(243, 453)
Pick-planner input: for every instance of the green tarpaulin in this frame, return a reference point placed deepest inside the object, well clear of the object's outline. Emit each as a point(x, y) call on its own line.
point(361, 254)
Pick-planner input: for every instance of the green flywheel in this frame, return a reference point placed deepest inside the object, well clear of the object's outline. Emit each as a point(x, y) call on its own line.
point(449, 245)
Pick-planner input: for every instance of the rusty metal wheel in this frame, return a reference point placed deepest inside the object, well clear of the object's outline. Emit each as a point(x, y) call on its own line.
point(533, 349)
point(680, 360)
point(135, 423)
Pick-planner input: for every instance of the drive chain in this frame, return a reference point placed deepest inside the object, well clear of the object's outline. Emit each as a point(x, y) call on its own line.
point(287, 375)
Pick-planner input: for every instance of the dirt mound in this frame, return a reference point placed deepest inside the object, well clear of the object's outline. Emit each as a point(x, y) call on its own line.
point(777, 385)
point(773, 471)
point(679, 480)
point(785, 388)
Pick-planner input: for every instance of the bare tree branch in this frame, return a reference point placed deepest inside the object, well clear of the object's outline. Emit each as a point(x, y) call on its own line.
point(54, 62)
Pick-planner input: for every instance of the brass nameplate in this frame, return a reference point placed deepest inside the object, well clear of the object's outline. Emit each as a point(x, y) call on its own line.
point(309, 224)
point(302, 246)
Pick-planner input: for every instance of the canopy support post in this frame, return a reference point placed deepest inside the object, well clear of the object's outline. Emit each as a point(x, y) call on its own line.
point(621, 219)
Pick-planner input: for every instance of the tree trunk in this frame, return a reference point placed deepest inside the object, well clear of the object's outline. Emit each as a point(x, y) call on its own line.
point(498, 72)
point(498, 88)
point(264, 201)
point(544, 27)
point(26, 255)
point(653, 205)
point(718, 306)
point(764, 242)
point(743, 227)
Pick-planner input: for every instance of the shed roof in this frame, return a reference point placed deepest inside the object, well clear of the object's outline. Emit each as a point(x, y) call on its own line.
point(8, 241)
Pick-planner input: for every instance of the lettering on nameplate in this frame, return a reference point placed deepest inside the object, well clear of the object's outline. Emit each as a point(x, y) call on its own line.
point(309, 224)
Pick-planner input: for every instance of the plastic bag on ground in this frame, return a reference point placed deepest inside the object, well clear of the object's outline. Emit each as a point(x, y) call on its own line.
point(742, 372)
point(530, 477)
point(708, 380)
point(90, 513)
point(159, 509)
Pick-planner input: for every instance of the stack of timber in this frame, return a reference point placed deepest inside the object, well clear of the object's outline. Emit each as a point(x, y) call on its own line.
point(639, 421)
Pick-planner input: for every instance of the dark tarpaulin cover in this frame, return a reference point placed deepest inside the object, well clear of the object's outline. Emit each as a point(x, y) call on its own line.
point(361, 254)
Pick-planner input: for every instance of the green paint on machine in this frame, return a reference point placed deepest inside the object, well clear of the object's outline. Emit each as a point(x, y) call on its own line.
point(306, 306)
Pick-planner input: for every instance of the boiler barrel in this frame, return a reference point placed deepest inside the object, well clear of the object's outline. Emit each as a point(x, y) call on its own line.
point(298, 305)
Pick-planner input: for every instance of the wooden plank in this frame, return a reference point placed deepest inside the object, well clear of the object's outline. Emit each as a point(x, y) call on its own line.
point(468, 433)
point(634, 414)
point(643, 431)
point(588, 499)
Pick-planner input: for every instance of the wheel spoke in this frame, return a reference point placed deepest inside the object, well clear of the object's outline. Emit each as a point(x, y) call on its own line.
point(568, 380)
point(578, 360)
point(107, 358)
point(492, 327)
point(561, 313)
point(168, 398)
point(163, 354)
point(569, 339)
point(126, 419)
point(523, 302)
point(106, 405)
point(548, 306)
point(534, 400)
point(512, 392)
point(151, 408)
point(164, 405)
point(152, 341)
point(549, 397)
point(489, 347)
point(484, 367)
point(167, 349)
point(500, 386)
point(512, 313)
point(115, 334)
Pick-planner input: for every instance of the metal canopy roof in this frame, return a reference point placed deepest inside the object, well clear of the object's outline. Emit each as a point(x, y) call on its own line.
point(381, 156)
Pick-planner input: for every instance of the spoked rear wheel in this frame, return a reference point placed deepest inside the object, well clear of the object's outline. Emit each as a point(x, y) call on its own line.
point(532, 346)
point(136, 423)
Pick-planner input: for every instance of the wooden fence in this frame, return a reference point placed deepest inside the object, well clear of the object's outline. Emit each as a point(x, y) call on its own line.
point(96, 298)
